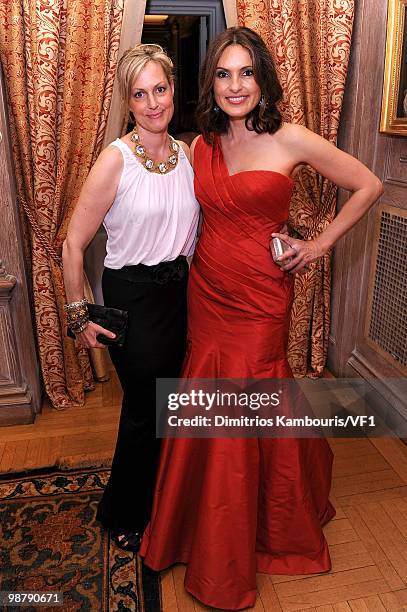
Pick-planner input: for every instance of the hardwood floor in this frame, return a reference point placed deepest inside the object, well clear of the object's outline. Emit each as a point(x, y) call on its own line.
point(367, 538)
point(77, 436)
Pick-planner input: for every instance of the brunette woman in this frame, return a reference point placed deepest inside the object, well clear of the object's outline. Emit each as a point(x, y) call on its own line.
point(231, 507)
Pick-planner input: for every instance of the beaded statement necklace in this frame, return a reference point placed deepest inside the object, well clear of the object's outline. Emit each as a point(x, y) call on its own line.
point(146, 159)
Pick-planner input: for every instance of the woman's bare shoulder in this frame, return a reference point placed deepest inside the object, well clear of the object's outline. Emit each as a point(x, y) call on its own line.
point(300, 142)
point(292, 133)
point(111, 155)
point(107, 167)
point(185, 148)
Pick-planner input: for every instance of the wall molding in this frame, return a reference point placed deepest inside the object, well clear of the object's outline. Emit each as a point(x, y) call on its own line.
point(349, 352)
point(20, 383)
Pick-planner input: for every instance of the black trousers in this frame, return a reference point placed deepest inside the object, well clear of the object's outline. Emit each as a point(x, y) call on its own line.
point(155, 298)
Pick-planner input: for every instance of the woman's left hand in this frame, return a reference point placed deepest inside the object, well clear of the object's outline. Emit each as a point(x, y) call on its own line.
point(302, 253)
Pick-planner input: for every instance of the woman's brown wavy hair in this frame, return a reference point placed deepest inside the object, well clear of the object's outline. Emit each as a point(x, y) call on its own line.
point(263, 118)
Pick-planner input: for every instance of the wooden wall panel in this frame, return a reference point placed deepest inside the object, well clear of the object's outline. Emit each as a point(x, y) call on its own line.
point(349, 351)
point(396, 161)
point(20, 391)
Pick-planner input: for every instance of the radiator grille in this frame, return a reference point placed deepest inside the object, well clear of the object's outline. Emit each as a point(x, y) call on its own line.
point(388, 314)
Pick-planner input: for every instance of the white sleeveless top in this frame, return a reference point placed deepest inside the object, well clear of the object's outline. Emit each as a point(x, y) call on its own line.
point(154, 217)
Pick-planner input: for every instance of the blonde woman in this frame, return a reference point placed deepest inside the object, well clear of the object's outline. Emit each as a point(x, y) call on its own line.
point(141, 188)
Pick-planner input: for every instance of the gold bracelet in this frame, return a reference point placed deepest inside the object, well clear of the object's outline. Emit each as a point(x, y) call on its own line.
point(77, 329)
point(76, 315)
point(75, 305)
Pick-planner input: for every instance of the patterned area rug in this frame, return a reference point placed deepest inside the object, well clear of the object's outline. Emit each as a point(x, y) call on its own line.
point(50, 541)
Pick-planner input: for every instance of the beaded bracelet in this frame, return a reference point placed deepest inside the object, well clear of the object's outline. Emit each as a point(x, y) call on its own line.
point(75, 305)
point(77, 329)
point(77, 315)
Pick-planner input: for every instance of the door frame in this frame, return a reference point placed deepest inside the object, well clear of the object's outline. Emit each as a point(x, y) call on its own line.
point(211, 9)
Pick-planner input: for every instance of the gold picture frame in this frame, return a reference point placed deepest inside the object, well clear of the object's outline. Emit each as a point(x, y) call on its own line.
point(394, 102)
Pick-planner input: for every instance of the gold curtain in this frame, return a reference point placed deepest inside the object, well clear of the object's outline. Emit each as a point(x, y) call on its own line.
point(59, 60)
point(132, 30)
point(310, 43)
point(230, 10)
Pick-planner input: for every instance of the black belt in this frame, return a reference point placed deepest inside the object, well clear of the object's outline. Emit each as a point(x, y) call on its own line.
point(160, 274)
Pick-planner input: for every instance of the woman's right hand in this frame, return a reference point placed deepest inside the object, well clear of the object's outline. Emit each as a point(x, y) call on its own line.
point(88, 336)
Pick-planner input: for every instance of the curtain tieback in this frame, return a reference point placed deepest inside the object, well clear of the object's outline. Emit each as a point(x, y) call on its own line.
point(48, 248)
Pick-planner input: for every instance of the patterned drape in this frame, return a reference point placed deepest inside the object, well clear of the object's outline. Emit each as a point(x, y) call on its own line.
point(310, 42)
point(230, 10)
point(59, 60)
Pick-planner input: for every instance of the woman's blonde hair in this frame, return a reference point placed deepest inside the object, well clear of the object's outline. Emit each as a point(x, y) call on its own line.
point(134, 60)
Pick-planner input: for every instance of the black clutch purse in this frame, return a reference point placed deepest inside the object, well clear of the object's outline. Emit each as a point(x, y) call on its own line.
point(113, 319)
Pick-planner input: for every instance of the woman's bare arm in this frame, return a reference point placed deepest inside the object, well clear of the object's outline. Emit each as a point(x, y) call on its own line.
point(343, 170)
point(97, 195)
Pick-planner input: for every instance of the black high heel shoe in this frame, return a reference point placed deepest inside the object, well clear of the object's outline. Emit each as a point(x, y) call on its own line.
point(127, 540)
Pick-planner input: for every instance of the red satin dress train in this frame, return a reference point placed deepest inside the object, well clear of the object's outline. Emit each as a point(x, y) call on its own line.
point(231, 507)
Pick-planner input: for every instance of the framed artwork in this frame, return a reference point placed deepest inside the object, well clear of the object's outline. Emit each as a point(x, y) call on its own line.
point(394, 102)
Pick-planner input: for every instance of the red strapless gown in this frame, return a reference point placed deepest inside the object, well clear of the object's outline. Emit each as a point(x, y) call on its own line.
point(231, 507)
